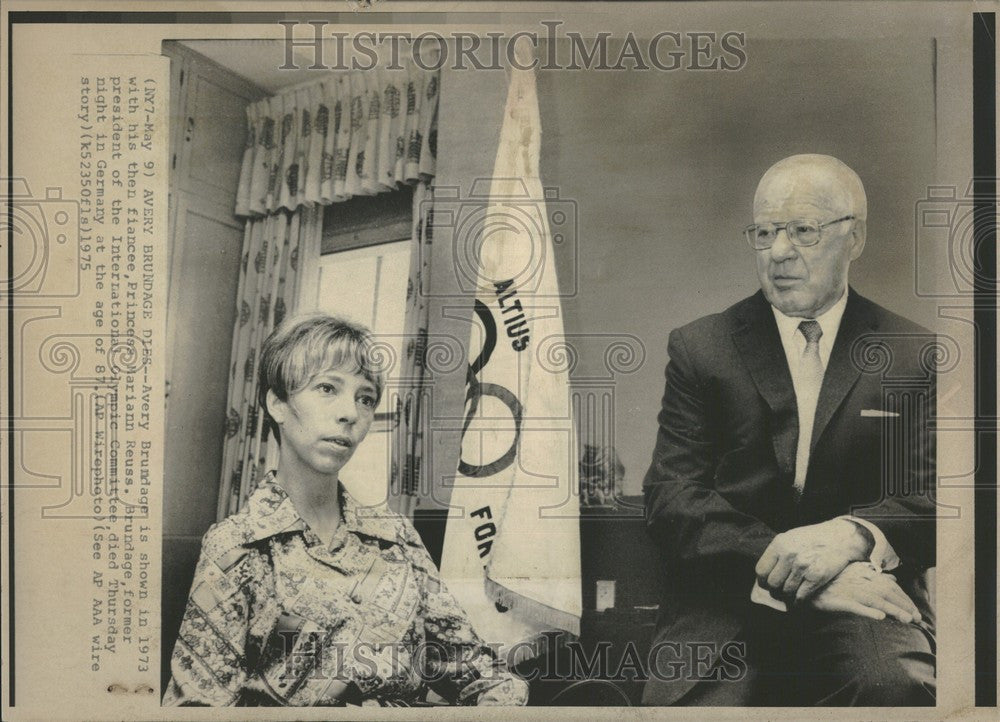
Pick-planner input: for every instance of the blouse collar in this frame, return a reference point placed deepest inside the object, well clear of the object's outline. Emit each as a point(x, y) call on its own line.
point(271, 512)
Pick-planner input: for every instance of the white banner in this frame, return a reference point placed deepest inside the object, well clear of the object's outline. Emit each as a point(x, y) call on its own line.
point(512, 547)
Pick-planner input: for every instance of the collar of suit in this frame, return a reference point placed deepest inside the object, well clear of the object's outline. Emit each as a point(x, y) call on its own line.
point(794, 342)
point(759, 342)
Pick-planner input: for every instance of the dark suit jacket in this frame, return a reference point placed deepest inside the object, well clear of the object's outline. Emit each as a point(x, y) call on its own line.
point(721, 483)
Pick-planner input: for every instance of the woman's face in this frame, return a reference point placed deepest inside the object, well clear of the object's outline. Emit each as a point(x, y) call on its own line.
point(323, 422)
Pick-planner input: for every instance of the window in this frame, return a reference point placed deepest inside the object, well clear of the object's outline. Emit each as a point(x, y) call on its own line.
point(368, 285)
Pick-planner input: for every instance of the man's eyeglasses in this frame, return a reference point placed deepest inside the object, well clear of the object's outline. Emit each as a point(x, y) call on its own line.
point(762, 236)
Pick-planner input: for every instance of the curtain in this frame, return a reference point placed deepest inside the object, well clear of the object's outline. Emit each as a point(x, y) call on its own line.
point(409, 457)
point(351, 133)
point(275, 248)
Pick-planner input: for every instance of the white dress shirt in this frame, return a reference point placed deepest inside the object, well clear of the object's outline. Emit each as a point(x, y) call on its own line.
point(794, 342)
point(883, 556)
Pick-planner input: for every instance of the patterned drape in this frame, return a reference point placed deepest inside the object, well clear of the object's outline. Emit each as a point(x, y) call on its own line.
point(351, 133)
point(408, 450)
point(275, 249)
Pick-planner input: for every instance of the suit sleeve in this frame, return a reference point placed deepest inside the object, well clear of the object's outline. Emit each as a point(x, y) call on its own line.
point(691, 521)
point(906, 512)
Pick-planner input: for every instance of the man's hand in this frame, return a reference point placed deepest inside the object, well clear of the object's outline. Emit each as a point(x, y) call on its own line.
point(862, 590)
point(799, 562)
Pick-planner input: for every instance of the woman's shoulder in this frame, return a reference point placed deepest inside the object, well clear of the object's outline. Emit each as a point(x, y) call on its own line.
point(266, 512)
point(228, 541)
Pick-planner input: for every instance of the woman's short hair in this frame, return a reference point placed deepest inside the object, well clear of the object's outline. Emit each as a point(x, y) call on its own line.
point(308, 344)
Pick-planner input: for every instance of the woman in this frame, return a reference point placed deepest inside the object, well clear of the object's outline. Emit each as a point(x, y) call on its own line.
point(304, 597)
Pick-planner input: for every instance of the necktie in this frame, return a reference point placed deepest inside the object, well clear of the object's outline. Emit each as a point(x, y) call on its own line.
point(806, 395)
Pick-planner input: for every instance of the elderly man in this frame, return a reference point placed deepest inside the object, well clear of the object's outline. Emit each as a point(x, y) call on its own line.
point(791, 489)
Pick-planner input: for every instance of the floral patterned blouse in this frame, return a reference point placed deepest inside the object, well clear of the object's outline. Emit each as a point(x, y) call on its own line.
point(275, 617)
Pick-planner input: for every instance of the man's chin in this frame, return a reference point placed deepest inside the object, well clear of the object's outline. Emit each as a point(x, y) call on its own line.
point(788, 302)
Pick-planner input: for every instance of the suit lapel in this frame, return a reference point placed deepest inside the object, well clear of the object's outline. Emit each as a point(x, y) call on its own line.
point(841, 372)
point(760, 347)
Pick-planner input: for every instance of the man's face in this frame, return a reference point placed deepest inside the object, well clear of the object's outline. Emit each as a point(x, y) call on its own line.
point(805, 281)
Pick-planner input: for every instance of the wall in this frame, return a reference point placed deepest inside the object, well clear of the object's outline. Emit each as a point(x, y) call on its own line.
point(662, 167)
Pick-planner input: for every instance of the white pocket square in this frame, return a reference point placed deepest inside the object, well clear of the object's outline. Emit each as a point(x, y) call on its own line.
point(879, 414)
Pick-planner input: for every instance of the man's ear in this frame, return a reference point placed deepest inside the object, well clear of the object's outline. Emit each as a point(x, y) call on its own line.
point(858, 238)
point(277, 408)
